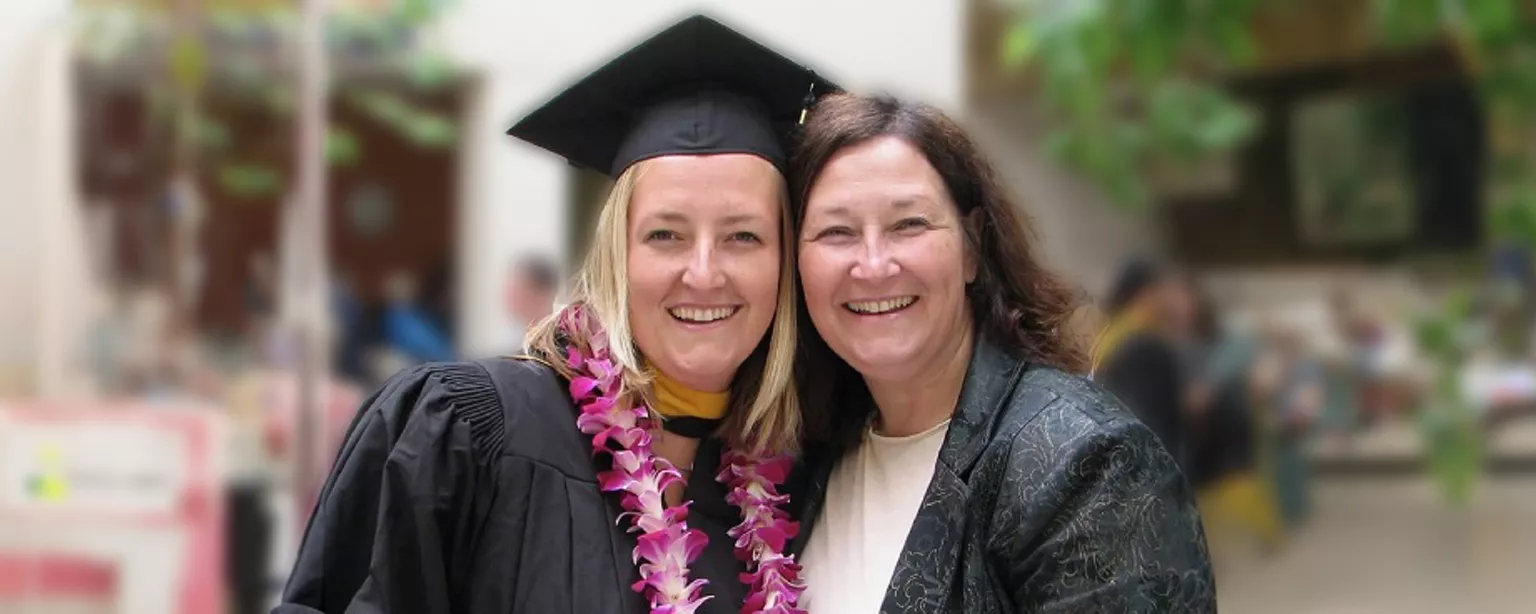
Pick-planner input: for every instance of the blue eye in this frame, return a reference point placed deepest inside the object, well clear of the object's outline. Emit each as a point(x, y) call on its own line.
point(660, 235)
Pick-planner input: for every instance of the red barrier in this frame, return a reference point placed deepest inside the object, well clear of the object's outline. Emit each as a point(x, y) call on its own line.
point(125, 487)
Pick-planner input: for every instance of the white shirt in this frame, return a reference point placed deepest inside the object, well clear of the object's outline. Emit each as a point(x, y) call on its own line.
point(872, 499)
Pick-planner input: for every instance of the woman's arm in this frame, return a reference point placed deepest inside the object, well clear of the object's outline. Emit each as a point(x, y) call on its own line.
point(393, 529)
point(1102, 523)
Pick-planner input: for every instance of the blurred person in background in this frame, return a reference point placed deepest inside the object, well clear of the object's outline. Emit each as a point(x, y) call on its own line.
point(108, 347)
point(261, 284)
point(409, 330)
point(1289, 391)
point(1222, 440)
point(350, 338)
point(251, 477)
point(545, 483)
point(1378, 363)
point(1137, 357)
point(965, 467)
point(530, 294)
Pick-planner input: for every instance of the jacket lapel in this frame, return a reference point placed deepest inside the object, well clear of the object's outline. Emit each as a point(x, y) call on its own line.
point(925, 572)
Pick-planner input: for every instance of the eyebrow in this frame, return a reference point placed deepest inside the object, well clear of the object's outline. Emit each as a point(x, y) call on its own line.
point(674, 217)
point(904, 202)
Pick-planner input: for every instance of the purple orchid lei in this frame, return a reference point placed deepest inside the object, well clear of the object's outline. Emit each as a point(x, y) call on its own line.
point(666, 544)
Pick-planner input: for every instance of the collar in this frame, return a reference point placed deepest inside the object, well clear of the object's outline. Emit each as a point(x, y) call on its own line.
point(674, 400)
point(990, 378)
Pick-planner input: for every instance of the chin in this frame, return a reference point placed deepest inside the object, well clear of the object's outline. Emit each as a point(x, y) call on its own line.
point(702, 369)
point(882, 361)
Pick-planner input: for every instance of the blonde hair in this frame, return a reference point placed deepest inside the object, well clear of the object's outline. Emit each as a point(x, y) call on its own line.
point(764, 410)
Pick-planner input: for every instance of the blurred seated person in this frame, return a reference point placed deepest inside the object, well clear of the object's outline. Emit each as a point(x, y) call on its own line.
point(1135, 357)
point(408, 329)
point(1378, 359)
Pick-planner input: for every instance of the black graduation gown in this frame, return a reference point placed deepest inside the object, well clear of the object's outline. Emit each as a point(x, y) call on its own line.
point(466, 488)
point(1047, 497)
point(1144, 372)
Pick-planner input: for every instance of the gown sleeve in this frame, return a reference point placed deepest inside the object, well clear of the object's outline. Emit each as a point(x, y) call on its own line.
point(397, 520)
point(1114, 529)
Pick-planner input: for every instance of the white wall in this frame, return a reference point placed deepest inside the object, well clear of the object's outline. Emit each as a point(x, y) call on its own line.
point(527, 51)
point(24, 25)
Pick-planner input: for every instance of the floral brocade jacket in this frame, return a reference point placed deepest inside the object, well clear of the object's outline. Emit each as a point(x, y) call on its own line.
point(1048, 496)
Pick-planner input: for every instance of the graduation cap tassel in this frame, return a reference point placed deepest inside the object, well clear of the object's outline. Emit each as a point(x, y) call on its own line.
point(810, 99)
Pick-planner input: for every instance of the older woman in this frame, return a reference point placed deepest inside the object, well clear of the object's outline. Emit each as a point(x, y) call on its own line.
point(632, 463)
point(958, 466)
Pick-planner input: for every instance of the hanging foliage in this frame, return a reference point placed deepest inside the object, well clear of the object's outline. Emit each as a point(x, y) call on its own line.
point(253, 39)
point(1137, 84)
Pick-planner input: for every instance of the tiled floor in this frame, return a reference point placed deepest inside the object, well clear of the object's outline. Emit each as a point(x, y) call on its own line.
point(1391, 546)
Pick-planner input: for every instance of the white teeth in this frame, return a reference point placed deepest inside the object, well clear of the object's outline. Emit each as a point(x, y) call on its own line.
point(882, 306)
point(694, 314)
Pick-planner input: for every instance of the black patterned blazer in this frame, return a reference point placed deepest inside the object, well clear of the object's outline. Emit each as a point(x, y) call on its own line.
point(1049, 496)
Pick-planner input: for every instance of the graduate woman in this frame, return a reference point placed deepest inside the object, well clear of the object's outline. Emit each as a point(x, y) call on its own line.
point(963, 468)
point(634, 461)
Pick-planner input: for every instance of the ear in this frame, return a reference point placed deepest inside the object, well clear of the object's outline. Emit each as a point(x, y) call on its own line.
point(972, 244)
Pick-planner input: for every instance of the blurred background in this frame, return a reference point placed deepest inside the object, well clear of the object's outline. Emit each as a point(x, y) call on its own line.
point(224, 222)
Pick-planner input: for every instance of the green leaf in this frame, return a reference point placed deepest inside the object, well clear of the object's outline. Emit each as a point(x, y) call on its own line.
point(189, 63)
point(1019, 45)
point(1152, 49)
point(1059, 145)
point(211, 134)
point(249, 181)
point(1409, 21)
point(1100, 43)
point(279, 99)
point(1236, 43)
point(341, 147)
point(383, 106)
point(429, 70)
point(1493, 18)
point(1228, 126)
point(418, 11)
point(431, 130)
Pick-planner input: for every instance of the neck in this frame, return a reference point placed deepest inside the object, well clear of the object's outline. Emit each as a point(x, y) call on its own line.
point(914, 405)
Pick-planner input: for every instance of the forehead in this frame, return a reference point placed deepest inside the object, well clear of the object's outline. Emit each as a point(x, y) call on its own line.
point(886, 172)
point(700, 185)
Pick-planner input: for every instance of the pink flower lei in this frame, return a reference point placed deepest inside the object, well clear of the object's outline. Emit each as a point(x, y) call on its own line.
point(666, 544)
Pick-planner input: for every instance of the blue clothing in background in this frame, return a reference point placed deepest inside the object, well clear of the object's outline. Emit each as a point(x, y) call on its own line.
point(410, 331)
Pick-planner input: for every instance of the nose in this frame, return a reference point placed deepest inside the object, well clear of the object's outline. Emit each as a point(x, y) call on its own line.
point(875, 260)
point(703, 273)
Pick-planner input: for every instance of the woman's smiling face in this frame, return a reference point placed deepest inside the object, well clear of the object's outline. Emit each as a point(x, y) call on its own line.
point(883, 260)
point(704, 262)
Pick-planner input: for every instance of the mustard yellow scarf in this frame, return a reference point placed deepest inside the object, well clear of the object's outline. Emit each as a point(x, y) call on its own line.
point(675, 400)
point(1115, 333)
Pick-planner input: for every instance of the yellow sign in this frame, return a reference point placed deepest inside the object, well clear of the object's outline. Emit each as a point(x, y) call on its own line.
point(50, 483)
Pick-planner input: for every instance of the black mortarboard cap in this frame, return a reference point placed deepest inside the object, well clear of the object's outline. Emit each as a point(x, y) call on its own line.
point(696, 88)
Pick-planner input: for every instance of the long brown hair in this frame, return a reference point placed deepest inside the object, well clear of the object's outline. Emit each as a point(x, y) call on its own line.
point(1016, 303)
